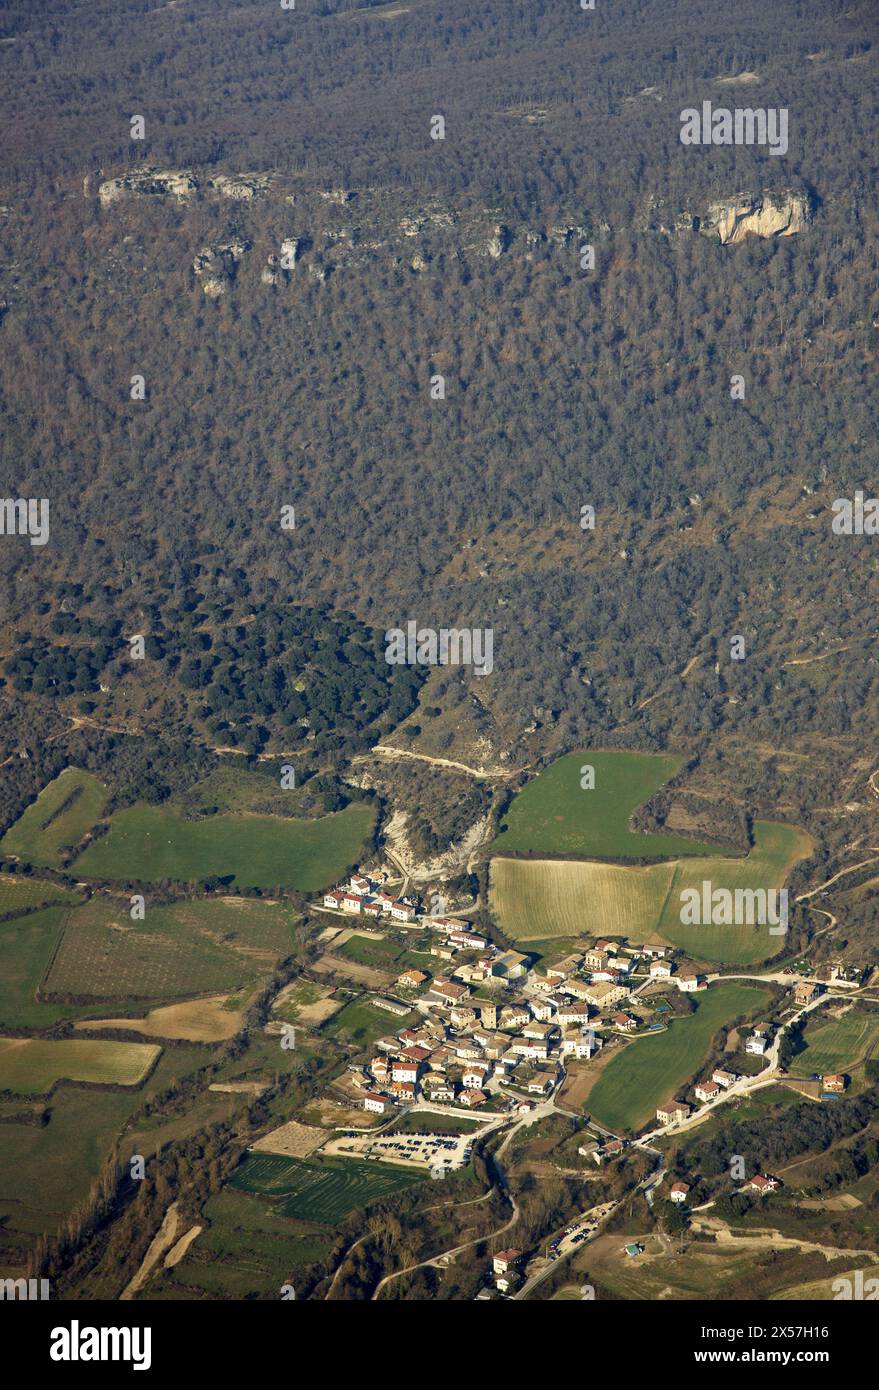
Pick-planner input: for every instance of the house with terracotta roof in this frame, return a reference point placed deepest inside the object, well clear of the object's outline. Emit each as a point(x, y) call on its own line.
point(472, 1098)
point(379, 1105)
point(679, 1192)
point(411, 979)
point(402, 1090)
point(707, 1090)
point(505, 1260)
point(447, 992)
point(806, 991)
point(572, 1014)
point(402, 1069)
point(674, 1111)
point(762, 1185)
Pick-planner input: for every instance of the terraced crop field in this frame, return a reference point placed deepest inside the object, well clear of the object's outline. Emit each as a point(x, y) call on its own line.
point(64, 810)
point(535, 899)
point(150, 843)
point(837, 1045)
point(539, 899)
point(204, 946)
point(324, 1191)
point(26, 948)
point(17, 892)
point(32, 1066)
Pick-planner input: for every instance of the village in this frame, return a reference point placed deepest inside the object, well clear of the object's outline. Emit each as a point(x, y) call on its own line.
point(489, 1039)
point(497, 1034)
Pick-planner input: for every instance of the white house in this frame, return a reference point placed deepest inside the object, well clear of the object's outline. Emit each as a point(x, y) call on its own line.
point(724, 1078)
point(659, 969)
point(475, 1077)
point(573, 1013)
point(689, 983)
point(402, 912)
point(405, 1071)
point(376, 1103)
point(542, 1009)
point(708, 1090)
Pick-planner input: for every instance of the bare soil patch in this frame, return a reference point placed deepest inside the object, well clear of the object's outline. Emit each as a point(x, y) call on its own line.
point(352, 970)
point(293, 1140)
point(197, 1020)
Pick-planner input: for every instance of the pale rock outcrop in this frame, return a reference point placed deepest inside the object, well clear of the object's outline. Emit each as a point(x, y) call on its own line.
point(777, 214)
point(499, 241)
point(784, 212)
point(180, 184)
point(291, 250)
point(240, 187)
point(152, 183)
point(216, 266)
point(564, 234)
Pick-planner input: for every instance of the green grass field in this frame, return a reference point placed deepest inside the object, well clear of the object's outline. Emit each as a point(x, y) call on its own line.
point(17, 892)
point(31, 1066)
point(777, 848)
point(420, 1123)
point(323, 1191)
point(380, 954)
point(652, 1069)
point(541, 898)
point(149, 843)
point(44, 1173)
point(247, 1249)
point(60, 816)
point(205, 946)
point(360, 1023)
point(554, 815)
point(837, 1045)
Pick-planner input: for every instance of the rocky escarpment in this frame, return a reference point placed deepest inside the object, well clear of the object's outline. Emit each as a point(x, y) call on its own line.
point(342, 224)
point(765, 214)
point(769, 214)
point(341, 229)
point(180, 184)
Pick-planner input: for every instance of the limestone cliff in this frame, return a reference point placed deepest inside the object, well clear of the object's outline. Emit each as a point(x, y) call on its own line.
point(777, 214)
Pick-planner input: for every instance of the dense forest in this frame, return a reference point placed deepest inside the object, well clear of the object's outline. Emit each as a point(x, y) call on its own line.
point(268, 383)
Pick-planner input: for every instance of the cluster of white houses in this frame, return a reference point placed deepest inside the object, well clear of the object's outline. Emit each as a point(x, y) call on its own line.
point(364, 896)
point(462, 1052)
point(471, 1042)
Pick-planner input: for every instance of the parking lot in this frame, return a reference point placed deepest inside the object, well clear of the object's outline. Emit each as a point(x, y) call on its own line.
point(436, 1152)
